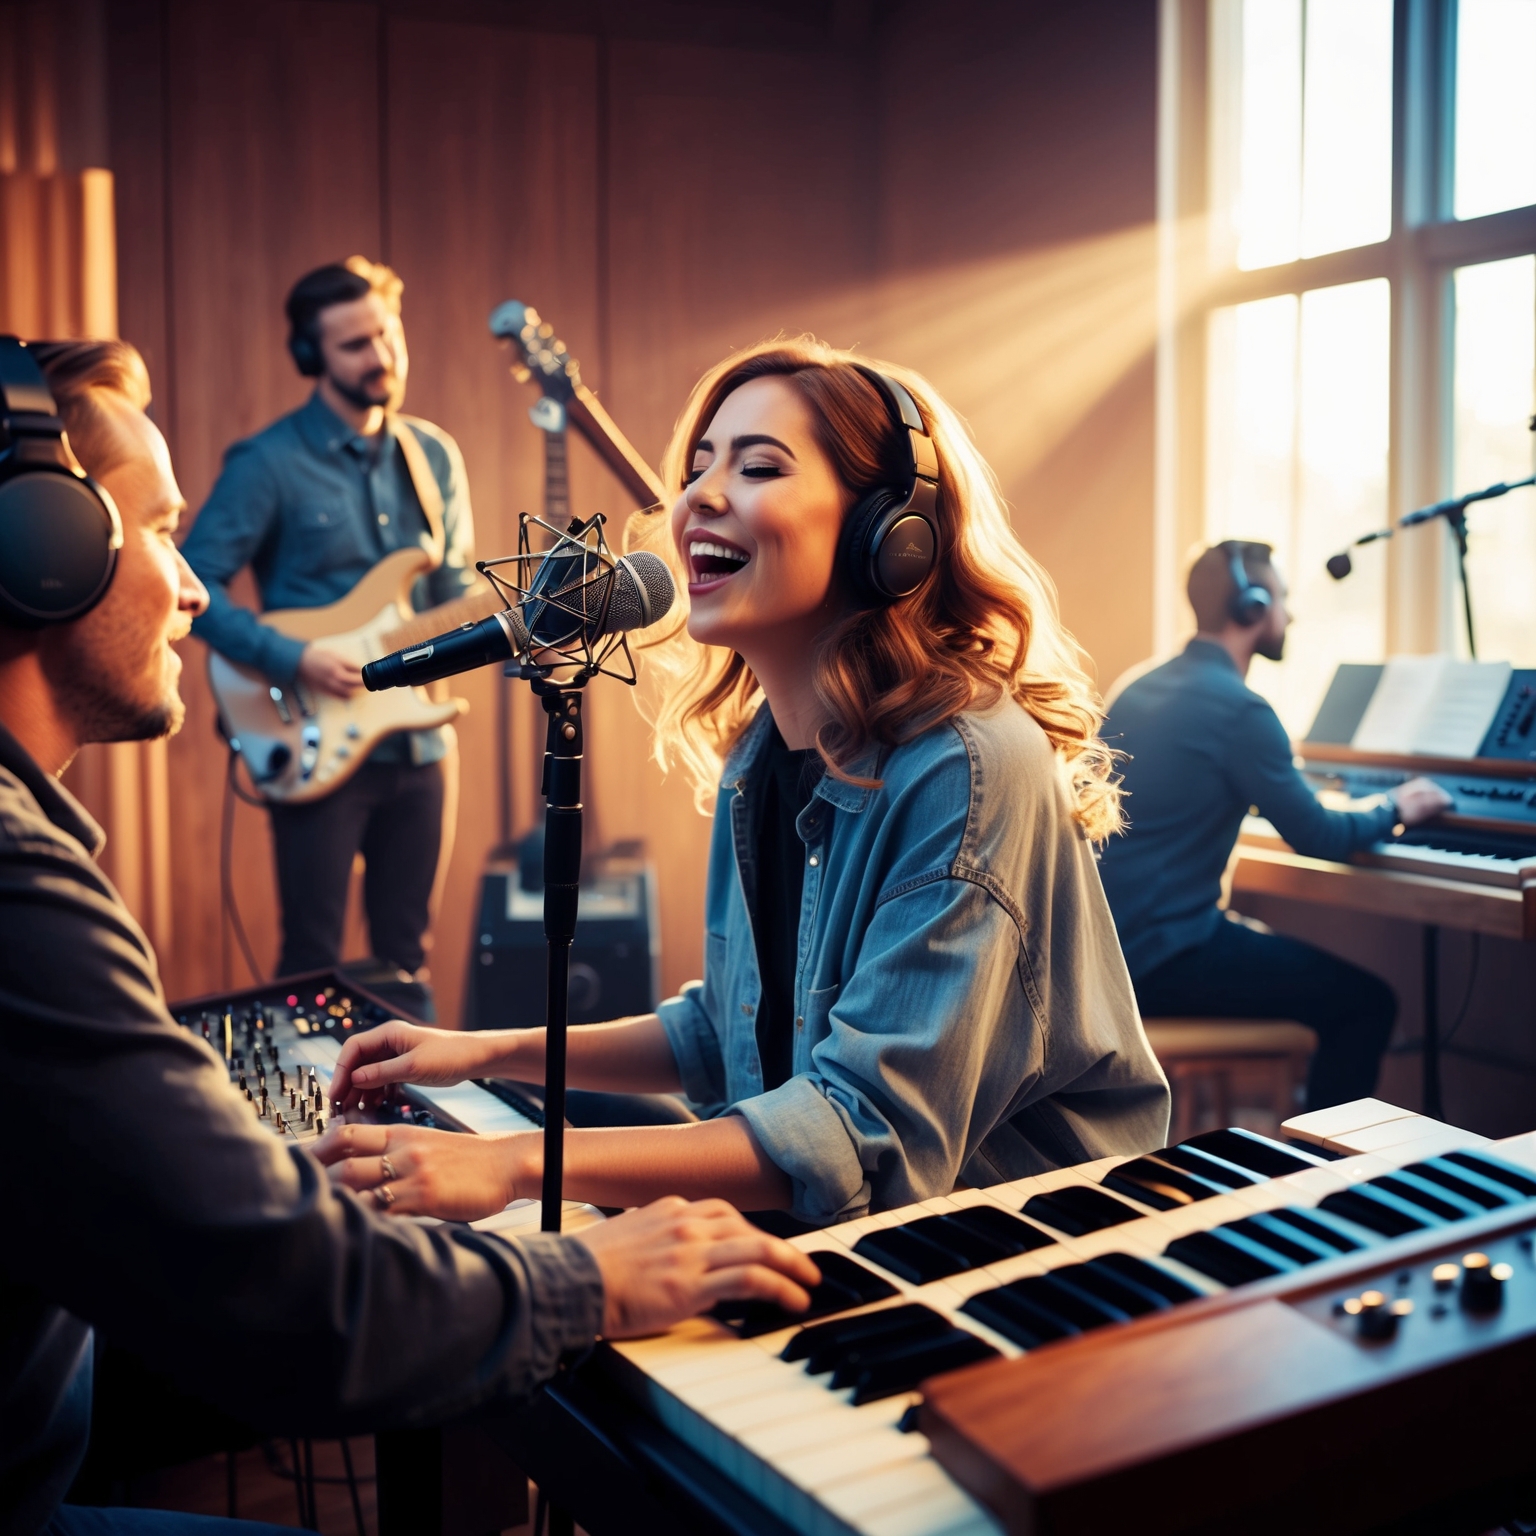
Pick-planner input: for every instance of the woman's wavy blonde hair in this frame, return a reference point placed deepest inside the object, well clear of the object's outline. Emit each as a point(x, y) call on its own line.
point(985, 624)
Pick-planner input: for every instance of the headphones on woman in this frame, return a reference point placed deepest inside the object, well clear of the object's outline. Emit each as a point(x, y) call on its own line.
point(890, 538)
point(59, 530)
point(1249, 601)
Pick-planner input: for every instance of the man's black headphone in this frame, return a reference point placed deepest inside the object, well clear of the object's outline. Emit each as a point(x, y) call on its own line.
point(890, 538)
point(1249, 601)
point(304, 349)
point(59, 530)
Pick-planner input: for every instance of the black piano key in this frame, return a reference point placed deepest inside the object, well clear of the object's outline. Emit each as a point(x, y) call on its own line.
point(1207, 1166)
point(974, 1246)
point(1429, 1197)
point(1146, 1275)
point(1225, 1262)
point(844, 1285)
point(1323, 1231)
point(1496, 1169)
point(1011, 1233)
point(1375, 1211)
point(1249, 1150)
point(1469, 1185)
point(1018, 1319)
point(1157, 1199)
point(1078, 1209)
point(845, 1333)
point(846, 1359)
point(903, 1370)
point(1132, 1299)
point(912, 1255)
point(1168, 1185)
point(1078, 1307)
point(1289, 1244)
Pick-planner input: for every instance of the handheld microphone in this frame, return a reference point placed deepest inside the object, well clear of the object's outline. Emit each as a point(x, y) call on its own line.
point(642, 592)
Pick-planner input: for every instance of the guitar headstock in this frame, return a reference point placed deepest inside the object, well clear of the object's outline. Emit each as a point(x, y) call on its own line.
point(544, 358)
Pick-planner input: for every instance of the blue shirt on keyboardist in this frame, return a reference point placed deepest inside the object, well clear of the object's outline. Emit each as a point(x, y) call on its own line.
point(1202, 748)
point(311, 506)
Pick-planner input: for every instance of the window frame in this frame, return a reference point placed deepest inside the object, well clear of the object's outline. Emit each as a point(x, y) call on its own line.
point(1418, 258)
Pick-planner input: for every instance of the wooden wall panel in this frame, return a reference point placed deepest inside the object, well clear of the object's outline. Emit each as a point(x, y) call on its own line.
point(273, 168)
point(742, 205)
point(492, 169)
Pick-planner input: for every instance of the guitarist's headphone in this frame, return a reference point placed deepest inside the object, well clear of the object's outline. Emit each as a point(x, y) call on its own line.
point(890, 538)
point(59, 530)
point(1249, 601)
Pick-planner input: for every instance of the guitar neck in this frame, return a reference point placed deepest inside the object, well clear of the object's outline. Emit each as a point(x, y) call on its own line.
point(557, 483)
point(481, 603)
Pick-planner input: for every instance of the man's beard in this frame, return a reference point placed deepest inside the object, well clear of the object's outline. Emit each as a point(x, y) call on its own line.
point(1272, 648)
point(100, 686)
point(358, 394)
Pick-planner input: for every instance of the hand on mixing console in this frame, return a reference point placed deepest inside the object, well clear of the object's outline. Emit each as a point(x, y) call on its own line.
point(412, 1171)
point(666, 1261)
point(397, 1052)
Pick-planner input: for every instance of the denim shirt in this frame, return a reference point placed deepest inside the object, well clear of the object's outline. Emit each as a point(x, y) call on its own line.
point(312, 507)
point(961, 1005)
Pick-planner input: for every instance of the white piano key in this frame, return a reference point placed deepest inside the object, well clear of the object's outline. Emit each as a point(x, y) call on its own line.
point(1202, 1216)
point(860, 1496)
point(1519, 1150)
point(880, 1450)
point(945, 1512)
point(840, 1420)
point(1394, 1134)
point(1318, 1125)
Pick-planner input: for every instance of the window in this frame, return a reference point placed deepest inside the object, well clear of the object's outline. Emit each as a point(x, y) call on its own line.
point(1355, 333)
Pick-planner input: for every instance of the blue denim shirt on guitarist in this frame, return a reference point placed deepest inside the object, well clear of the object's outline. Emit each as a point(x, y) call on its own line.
point(312, 507)
point(961, 1004)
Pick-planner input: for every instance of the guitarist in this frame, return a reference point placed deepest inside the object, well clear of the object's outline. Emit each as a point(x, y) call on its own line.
point(311, 504)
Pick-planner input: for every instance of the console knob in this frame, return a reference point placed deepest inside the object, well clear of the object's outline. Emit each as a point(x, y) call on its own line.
point(1445, 1276)
point(1378, 1318)
point(1482, 1283)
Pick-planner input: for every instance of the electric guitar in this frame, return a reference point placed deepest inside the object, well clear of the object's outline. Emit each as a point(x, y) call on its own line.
point(300, 745)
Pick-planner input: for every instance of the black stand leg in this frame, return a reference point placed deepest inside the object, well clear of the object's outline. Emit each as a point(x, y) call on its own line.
point(562, 885)
point(1432, 1106)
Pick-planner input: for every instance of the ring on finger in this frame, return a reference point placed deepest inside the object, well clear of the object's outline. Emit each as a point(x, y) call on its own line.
point(384, 1195)
point(389, 1169)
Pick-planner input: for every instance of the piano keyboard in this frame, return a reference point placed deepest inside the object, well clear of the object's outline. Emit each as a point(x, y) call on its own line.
point(812, 1416)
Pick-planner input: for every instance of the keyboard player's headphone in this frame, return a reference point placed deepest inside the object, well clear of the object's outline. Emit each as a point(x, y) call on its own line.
point(1249, 601)
point(59, 530)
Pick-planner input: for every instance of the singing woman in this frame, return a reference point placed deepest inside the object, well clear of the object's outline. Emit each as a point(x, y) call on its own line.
point(911, 975)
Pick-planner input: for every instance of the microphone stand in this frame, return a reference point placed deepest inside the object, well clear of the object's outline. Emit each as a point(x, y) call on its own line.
point(562, 888)
point(583, 545)
point(1454, 511)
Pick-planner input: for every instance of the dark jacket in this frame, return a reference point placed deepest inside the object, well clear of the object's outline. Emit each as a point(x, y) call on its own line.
point(143, 1199)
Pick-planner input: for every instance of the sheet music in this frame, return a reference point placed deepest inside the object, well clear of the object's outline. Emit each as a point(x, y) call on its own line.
point(1433, 706)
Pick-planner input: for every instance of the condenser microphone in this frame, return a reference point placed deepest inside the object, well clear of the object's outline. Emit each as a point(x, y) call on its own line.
point(1340, 565)
point(638, 590)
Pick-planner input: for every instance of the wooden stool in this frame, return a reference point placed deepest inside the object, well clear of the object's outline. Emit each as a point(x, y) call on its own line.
point(1201, 1054)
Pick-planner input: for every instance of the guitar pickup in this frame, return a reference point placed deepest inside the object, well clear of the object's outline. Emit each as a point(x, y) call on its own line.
point(309, 751)
point(283, 712)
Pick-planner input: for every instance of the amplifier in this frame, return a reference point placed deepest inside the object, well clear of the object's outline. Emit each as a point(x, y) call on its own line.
point(614, 961)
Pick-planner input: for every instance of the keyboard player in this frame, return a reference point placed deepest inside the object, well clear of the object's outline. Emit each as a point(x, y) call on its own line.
point(1201, 749)
point(143, 1198)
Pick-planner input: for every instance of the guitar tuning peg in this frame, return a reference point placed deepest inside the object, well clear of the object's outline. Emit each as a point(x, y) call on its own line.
point(521, 374)
point(531, 315)
point(546, 330)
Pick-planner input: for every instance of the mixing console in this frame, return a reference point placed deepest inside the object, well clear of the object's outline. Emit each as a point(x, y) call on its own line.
point(280, 1044)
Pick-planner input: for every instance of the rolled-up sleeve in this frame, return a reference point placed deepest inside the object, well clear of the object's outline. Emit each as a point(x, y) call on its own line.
point(695, 1047)
point(238, 517)
point(932, 1025)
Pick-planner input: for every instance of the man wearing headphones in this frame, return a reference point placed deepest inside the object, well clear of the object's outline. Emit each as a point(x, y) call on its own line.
point(152, 1205)
point(311, 504)
point(1201, 748)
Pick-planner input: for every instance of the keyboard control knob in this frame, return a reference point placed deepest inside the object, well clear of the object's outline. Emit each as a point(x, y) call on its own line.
point(1482, 1283)
point(1445, 1276)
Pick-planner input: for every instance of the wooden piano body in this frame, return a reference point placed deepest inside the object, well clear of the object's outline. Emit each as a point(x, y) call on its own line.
point(1254, 1406)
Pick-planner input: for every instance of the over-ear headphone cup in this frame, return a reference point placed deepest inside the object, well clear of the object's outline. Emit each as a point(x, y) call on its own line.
point(56, 547)
point(857, 544)
point(305, 352)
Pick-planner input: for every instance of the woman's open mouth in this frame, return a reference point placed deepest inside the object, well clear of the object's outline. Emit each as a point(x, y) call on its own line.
point(710, 561)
